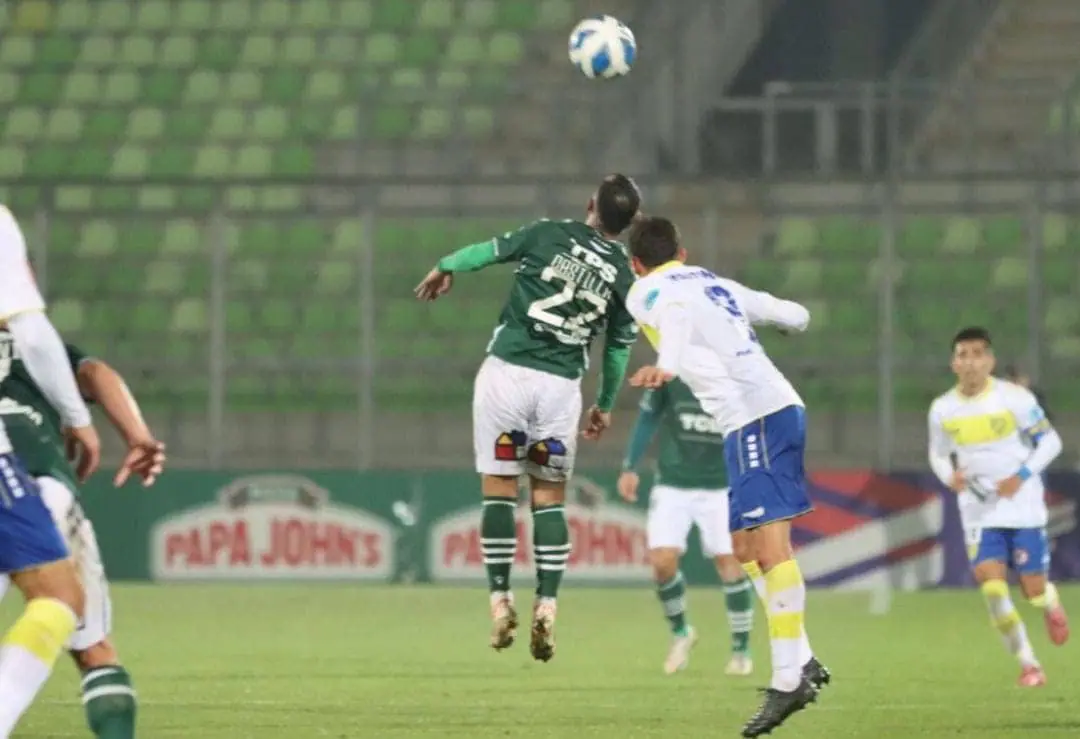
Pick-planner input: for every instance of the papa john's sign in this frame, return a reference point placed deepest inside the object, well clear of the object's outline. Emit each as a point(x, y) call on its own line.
point(609, 545)
point(272, 527)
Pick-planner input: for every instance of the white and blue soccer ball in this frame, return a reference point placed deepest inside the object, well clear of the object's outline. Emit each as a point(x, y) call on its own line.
point(602, 47)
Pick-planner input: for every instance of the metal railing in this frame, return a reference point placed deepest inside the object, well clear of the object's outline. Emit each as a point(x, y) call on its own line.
point(288, 338)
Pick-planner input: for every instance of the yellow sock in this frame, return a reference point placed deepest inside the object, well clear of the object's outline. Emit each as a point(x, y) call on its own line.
point(786, 604)
point(1007, 621)
point(1048, 599)
point(43, 629)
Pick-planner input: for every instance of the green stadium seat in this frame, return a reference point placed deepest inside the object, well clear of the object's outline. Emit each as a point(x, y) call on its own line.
point(796, 236)
point(1004, 235)
point(1010, 273)
point(921, 235)
point(962, 235)
point(465, 50)
point(435, 14)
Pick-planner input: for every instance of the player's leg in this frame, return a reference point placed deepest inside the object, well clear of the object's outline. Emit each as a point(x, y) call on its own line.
point(667, 527)
point(499, 422)
point(989, 550)
point(550, 463)
point(108, 695)
point(1031, 559)
point(769, 487)
point(711, 516)
point(32, 551)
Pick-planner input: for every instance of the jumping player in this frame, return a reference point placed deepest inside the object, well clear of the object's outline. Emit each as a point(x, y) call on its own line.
point(691, 489)
point(990, 441)
point(701, 326)
point(569, 287)
point(33, 426)
point(32, 550)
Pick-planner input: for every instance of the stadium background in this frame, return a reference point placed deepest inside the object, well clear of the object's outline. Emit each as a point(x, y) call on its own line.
point(231, 202)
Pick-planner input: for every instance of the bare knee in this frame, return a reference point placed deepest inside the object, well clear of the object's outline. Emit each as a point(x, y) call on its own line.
point(729, 568)
point(772, 544)
point(547, 492)
point(499, 486)
point(102, 654)
point(1032, 586)
point(989, 570)
point(56, 580)
point(665, 563)
point(742, 545)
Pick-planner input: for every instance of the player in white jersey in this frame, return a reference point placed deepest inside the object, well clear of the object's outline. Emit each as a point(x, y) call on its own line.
point(989, 442)
point(701, 326)
point(32, 549)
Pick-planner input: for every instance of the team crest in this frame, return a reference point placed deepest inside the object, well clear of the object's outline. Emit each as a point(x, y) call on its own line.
point(1021, 557)
point(548, 453)
point(510, 446)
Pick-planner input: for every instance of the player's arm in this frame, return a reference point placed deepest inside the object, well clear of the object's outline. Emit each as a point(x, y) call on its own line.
point(1036, 428)
point(939, 454)
point(506, 248)
point(763, 308)
point(641, 437)
point(619, 339)
point(103, 385)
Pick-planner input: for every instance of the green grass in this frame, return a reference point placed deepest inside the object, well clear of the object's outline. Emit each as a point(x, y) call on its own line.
point(278, 662)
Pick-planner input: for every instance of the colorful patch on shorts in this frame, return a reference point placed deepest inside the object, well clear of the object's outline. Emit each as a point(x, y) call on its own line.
point(548, 453)
point(510, 446)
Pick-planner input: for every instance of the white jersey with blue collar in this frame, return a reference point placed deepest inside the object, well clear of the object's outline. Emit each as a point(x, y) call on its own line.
point(702, 328)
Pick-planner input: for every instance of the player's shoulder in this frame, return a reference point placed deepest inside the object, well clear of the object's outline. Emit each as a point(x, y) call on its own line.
point(944, 403)
point(1011, 393)
point(10, 235)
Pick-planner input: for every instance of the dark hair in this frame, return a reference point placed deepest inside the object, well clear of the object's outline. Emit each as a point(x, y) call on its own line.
point(972, 333)
point(654, 241)
point(617, 202)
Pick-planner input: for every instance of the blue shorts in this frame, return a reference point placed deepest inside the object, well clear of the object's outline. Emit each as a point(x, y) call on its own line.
point(765, 466)
point(28, 535)
point(1026, 551)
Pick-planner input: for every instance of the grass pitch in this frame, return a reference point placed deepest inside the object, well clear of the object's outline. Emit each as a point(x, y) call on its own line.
point(292, 662)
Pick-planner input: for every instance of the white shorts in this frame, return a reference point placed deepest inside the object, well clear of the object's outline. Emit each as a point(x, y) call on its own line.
point(78, 532)
point(673, 511)
point(524, 421)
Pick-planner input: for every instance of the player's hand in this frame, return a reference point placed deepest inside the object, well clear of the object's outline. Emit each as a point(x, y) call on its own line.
point(958, 483)
point(83, 450)
point(597, 422)
point(145, 458)
point(628, 485)
point(1007, 488)
point(651, 377)
point(435, 285)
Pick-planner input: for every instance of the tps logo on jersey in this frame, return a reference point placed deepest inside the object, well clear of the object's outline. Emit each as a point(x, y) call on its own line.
point(510, 446)
point(548, 453)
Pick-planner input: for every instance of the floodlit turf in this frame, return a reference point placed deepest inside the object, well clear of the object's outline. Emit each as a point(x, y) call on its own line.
point(288, 662)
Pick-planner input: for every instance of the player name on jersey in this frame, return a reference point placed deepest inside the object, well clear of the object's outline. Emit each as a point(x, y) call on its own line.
point(609, 544)
point(272, 527)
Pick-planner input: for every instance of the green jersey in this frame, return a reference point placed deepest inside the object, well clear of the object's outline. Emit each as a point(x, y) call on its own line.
point(691, 445)
point(570, 285)
point(32, 424)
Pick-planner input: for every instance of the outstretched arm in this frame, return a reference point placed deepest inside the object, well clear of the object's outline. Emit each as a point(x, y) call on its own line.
point(762, 307)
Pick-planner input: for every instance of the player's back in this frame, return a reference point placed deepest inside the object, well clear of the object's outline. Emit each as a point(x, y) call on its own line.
point(724, 363)
point(570, 285)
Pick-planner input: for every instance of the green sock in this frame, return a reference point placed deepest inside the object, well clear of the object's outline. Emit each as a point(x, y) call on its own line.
point(672, 596)
point(739, 598)
point(109, 700)
point(498, 541)
point(551, 548)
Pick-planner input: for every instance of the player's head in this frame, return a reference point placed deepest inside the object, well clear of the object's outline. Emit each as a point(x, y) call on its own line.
point(615, 204)
point(972, 356)
point(654, 241)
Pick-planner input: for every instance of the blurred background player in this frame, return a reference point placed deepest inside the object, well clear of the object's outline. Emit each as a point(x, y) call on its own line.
point(691, 489)
point(32, 550)
point(34, 429)
point(1016, 375)
point(569, 287)
point(701, 326)
point(1002, 442)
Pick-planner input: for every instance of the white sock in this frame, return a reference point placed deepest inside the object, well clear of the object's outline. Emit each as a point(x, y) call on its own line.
point(1007, 621)
point(22, 675)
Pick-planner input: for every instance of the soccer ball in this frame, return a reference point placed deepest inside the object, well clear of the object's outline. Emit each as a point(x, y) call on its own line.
point(602, 47)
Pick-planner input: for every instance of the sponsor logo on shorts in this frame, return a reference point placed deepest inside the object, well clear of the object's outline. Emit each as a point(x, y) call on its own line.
point(510, 446)
point(548, 453)
point(272, 527)
point(1021, 557)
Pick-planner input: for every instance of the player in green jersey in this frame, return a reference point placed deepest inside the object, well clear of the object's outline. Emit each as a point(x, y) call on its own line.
point(34, 428)
point(691, 489)
point(569, 287)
